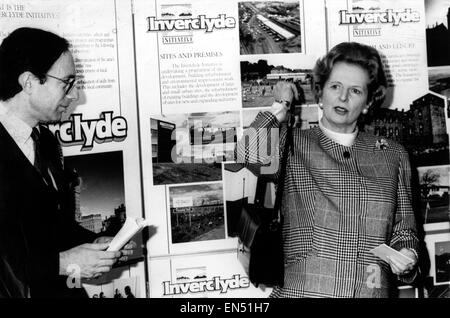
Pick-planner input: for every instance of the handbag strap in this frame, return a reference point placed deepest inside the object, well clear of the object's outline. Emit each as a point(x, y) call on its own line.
point(262, 181)
point(261, 188)
point(287, 146)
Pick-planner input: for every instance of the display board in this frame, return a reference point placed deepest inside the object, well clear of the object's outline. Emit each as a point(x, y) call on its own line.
point(200, 66)
point(98, 133)
point(168, 88)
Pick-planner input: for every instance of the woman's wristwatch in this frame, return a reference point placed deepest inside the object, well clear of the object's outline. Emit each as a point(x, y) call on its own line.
point(286, 103)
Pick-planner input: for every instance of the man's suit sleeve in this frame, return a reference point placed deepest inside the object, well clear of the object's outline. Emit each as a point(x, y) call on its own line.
point(72, 234)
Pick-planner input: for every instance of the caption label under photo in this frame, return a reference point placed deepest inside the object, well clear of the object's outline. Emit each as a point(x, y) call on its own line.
point(226, 307)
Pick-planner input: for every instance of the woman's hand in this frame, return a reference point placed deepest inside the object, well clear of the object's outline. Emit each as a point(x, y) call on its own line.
point(399, 266)
point(286, 92)
point(280, 111)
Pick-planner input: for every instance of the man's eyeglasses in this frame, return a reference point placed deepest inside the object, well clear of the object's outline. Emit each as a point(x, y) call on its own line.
point(70, 83)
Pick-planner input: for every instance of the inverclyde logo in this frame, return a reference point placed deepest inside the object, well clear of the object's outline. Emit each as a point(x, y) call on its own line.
point(79, 131)
point(215, 284)
point(388, 16)
point(186, 24)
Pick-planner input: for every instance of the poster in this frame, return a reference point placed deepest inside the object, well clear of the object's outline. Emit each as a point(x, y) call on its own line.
point(97, 132)
point(202, 276)
point(201, 66)
point(177, 64)
point(397, 30)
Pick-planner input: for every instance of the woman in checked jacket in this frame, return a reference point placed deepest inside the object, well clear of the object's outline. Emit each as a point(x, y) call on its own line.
point(346, 191)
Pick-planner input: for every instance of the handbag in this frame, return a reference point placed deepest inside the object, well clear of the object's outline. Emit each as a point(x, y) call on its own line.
point(260, 248)
point(259, 229)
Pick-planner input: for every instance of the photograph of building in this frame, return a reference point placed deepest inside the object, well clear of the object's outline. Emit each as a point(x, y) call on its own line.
point(437, 32)
point(434, 186)
point(442, 262)
point(191, 147)
point(162, 140)
point(270, 27)
point(197, 212)
point(98, 191)
point(421, 130)
point(439, 80)
point(438, 45)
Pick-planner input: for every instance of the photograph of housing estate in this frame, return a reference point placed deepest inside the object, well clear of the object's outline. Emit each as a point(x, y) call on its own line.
point(197, 212)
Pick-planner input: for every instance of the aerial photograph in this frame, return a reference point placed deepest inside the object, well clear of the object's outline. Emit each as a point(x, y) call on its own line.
point(270, 27)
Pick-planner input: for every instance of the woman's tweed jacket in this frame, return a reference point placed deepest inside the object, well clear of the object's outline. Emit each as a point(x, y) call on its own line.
point(337, 208)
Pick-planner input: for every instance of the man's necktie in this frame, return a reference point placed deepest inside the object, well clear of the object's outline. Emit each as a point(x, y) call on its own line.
point(40, 161)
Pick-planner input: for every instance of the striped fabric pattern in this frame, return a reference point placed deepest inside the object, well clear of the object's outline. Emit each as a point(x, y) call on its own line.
point(336, 208)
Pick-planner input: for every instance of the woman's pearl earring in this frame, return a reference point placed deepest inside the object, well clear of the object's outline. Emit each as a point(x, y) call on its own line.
point(320, 105)
point(365, 111)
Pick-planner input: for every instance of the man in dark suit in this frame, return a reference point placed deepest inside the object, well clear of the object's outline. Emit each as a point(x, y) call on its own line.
point(41, 245)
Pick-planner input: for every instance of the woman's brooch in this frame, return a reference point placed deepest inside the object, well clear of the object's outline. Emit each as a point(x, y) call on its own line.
point(381, 144)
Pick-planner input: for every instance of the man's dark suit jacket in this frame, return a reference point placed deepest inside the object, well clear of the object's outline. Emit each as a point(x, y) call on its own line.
point(36, 222)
